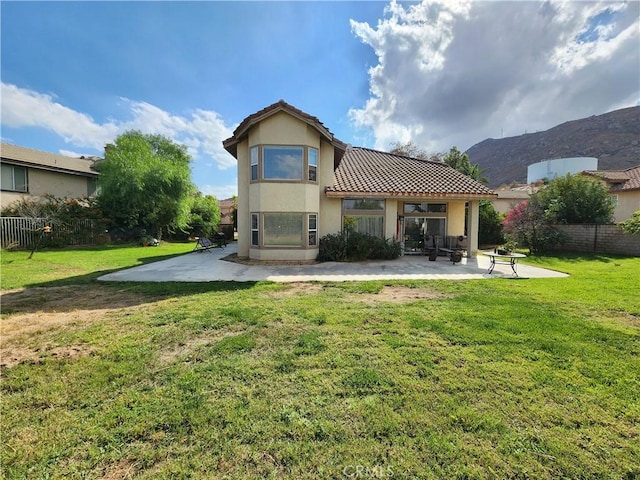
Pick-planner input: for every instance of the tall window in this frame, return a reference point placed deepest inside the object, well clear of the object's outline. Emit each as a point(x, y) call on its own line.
point(282, 230)
point(365, 215)
point(255, 232)
point(313, 229)
point(254, 163)
point(313, 164)
point(282, 163)
point(14, 178)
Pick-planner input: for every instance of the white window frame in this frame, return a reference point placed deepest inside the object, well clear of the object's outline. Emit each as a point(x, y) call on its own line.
point(312, 167)
point(313, 242)
point(253, 162)
point(255, 230)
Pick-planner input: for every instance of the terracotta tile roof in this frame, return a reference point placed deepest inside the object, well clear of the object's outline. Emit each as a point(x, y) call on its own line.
point(17, 155)
point(365, 172)
point(242, 130)
point(621, 180)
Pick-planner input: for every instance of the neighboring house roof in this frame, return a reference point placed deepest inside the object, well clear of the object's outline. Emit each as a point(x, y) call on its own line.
point(620, 180)
point(241, 132)
point(517, 192)
point(29, 157)
point(366, 172)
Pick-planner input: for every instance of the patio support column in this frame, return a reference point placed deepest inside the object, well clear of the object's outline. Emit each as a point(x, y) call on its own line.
point(473, 222)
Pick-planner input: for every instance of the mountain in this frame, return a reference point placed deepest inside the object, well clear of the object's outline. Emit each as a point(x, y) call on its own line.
point(613, 138)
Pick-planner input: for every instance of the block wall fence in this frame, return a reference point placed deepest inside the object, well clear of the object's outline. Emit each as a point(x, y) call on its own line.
point(599, 239)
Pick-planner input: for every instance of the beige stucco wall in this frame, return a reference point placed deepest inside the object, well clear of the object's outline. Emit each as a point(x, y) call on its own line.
point(455, 218)
point(473, 222)
point(43, 182)
point(628, 202)
point(391, 218)
point(330, 216)
point(244, 219)
point(283, 129)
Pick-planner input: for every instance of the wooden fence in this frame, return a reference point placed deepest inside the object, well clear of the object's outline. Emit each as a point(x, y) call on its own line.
point(22, 232)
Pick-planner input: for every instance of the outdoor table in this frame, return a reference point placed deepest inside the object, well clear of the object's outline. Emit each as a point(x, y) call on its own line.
point(506, 259)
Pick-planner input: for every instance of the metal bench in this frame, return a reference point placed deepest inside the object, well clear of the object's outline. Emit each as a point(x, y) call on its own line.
point(205, 244)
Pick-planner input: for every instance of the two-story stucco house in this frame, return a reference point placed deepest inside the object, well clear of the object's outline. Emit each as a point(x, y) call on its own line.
point(29, 173)
point(297, 183)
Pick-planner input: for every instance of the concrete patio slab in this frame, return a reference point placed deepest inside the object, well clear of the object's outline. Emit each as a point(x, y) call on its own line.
point(209, 266)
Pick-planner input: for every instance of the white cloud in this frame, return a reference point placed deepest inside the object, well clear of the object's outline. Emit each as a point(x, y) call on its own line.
point(202, 131)
point(26, 108)
point(455, 73)
point(221, 192)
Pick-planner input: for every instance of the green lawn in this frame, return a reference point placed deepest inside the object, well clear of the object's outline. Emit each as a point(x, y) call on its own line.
point(499, 378)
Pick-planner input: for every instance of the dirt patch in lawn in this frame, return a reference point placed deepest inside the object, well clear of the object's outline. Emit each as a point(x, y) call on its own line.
point(188, 348)
point(36, 312)
point(119, 471)
point(399, 294)
point(293, 289)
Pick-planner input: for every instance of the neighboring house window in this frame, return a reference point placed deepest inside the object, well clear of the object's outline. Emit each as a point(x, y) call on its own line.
point(14, 178)
point(282, 229)
point(614, 200)
point(282, 163)
point(313, 164)
point(365, 215)
point(255, 232)
point(254, 163)
point(425, 208)
point(313, 229)
point(92, 186)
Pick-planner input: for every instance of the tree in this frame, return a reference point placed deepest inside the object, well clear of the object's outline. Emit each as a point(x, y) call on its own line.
point(145, 184)
point(576, 199)
point(409, 149)
point(460, 161)
point(528, 225)
point(205, 215)
point(489, 224)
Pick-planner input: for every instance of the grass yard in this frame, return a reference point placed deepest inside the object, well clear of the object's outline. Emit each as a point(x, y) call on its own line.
point(486, 379)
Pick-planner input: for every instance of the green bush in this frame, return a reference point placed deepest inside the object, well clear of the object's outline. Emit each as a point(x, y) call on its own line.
point(333, 248)
point(358, 247)
point(632, 224)
point(354, 247)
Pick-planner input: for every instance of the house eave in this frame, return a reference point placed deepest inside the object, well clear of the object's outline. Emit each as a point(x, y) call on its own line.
point(412, 195)
point(50, 168)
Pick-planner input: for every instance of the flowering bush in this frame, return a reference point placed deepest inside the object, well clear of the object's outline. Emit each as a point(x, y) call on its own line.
point(528, 224)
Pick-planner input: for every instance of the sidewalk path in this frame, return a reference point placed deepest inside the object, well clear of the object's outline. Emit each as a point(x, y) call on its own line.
point(209, 267)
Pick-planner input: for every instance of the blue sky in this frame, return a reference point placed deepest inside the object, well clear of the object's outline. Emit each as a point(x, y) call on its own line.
point(77, 74)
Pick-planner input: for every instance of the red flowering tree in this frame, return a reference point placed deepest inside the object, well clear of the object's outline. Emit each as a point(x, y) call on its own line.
point(529, 225)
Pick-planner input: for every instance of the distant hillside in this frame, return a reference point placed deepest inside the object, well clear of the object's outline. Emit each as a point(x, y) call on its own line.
point(613, 138)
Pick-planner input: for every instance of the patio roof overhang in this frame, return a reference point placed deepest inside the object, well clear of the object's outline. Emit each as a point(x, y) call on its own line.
point(411, 195)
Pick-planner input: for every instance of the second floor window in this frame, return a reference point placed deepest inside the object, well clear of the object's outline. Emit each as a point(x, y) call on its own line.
point(288, 163)
point(313, 164)
point(254, 163)
point(283, 163)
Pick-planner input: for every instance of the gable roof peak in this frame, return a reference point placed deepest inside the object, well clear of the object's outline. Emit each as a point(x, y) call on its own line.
point(242, 130)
